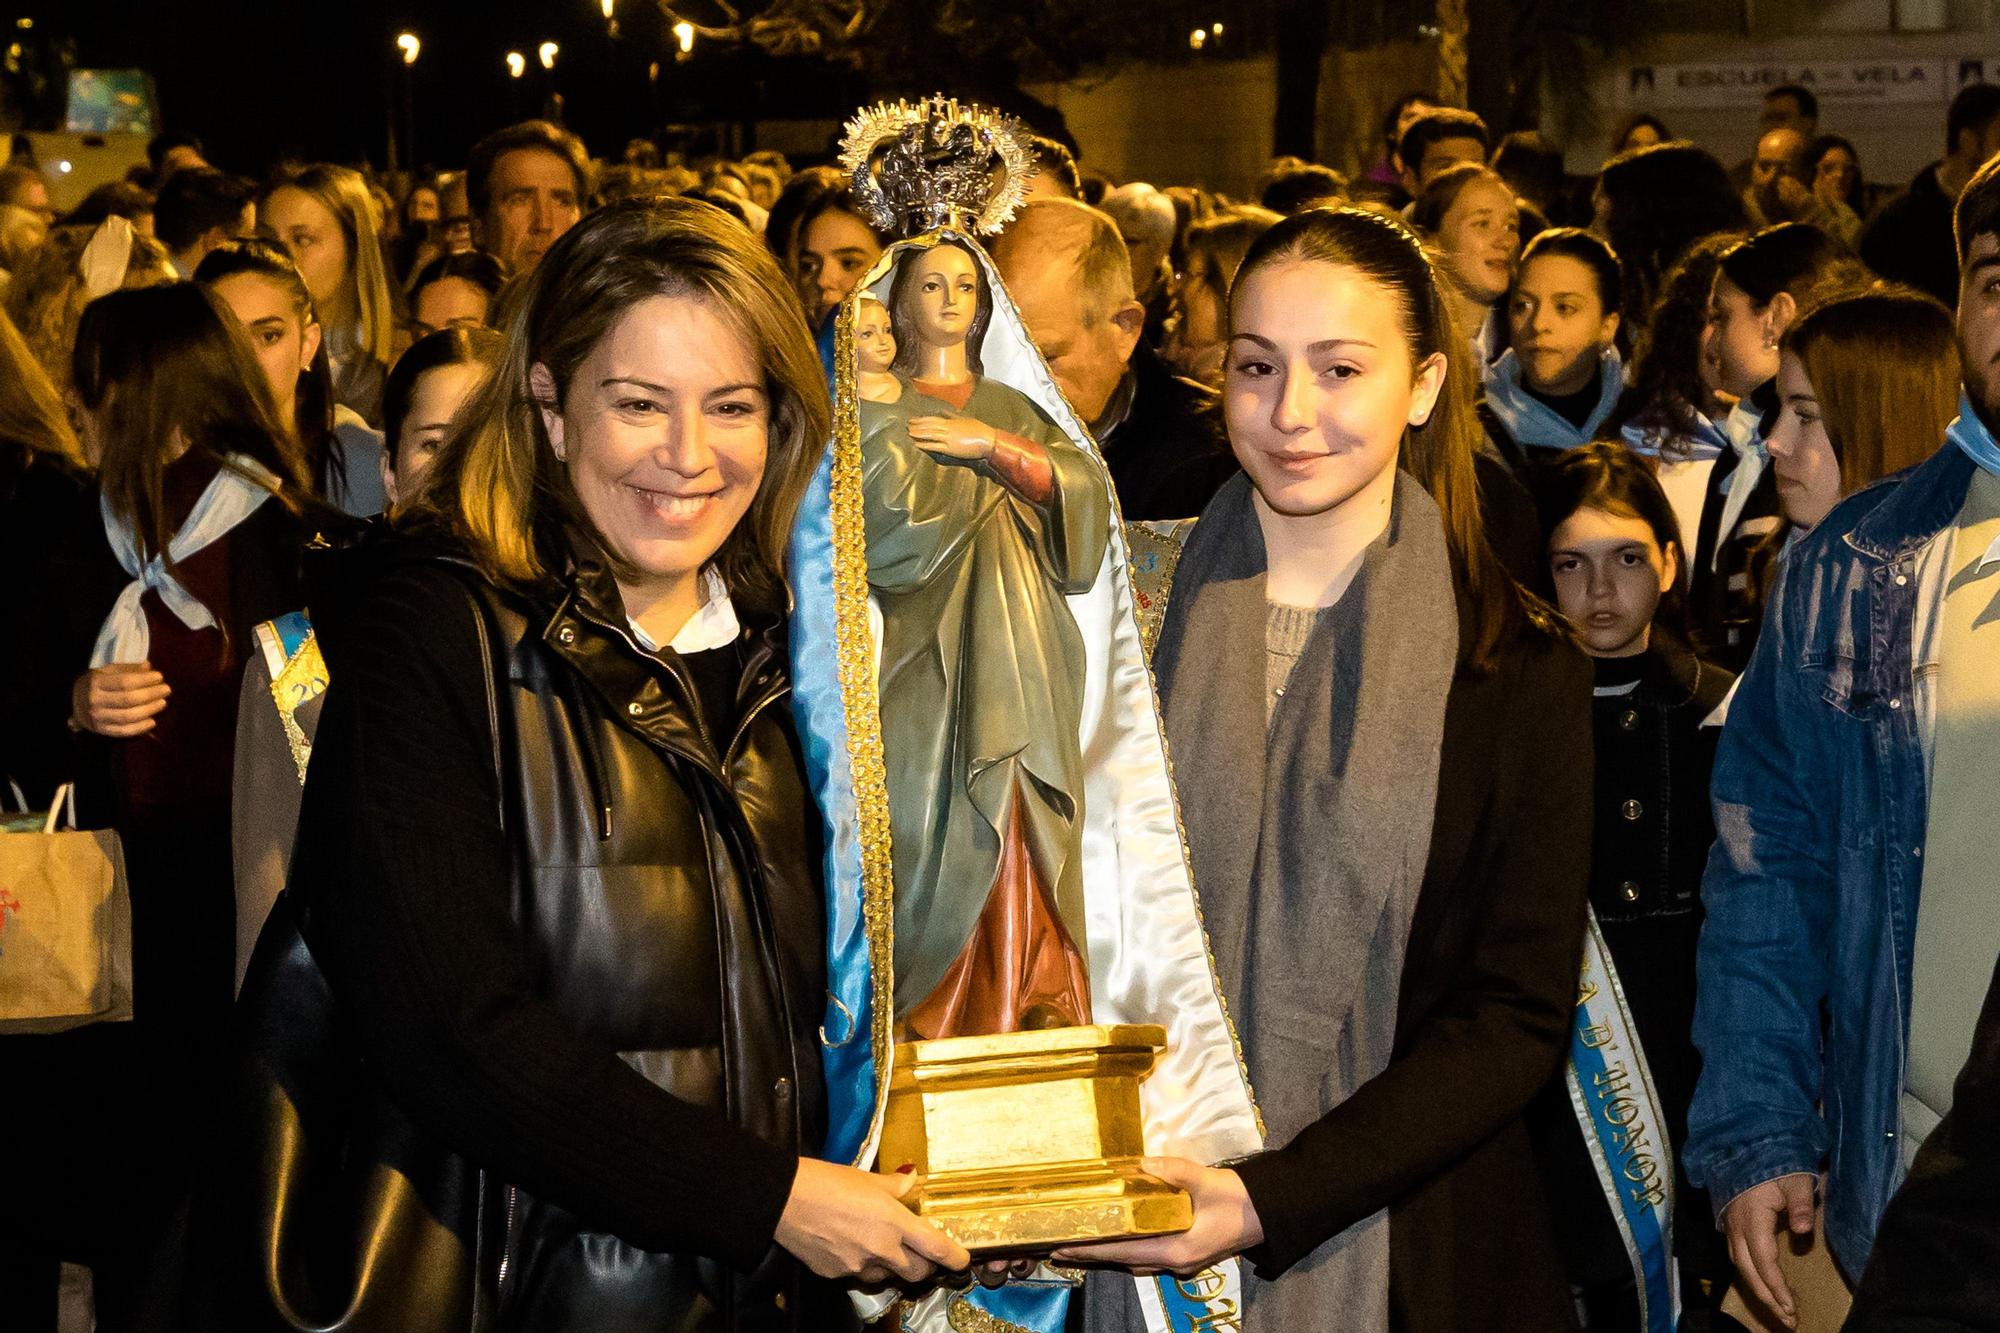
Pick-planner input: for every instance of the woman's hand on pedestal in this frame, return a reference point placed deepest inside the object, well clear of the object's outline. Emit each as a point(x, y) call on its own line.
point(844, 1223)
point(1225, 1225)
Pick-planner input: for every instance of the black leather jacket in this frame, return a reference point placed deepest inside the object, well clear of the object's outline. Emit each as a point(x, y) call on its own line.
point(669, 892)
point(665, 887)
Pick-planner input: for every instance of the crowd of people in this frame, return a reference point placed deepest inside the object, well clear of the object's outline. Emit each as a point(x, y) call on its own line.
point(1621, 552)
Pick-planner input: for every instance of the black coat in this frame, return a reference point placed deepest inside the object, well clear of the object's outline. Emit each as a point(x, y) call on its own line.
point(1910, 238)
point(566, 896)
point(1653, 831)
point(1936, 1263)
point(1488, 987)
point(47, 505)
point(1170, 454)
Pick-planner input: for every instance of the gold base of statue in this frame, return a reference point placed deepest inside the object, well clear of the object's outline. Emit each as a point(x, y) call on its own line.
point(1030, 1140)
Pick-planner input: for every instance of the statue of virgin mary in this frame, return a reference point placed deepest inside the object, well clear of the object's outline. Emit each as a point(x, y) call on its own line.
point(979, 725)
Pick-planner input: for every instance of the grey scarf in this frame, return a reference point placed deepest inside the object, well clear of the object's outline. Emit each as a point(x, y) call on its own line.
point(1310, 841)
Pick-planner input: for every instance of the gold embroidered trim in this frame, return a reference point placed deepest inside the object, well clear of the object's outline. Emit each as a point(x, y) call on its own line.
point(302, 680)
point(855, 650)
point(965, 1317)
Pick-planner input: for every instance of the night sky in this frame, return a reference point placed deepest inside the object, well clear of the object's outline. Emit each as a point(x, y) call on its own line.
point(263, 79)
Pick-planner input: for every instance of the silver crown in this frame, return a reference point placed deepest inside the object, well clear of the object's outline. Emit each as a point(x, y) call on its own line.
point(935, 163)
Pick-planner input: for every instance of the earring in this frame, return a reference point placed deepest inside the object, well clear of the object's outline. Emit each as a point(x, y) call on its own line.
point(562, 455)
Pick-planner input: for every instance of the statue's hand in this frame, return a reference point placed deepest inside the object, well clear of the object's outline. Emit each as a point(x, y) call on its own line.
point(954, 437)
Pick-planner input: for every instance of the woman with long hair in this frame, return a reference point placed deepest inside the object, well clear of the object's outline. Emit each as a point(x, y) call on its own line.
point(1833, 166)
point(326, 217)
point(1866, 385)
point(1653, 203)
point(204, 514)
point(1673, 409)
point(1471, 216)
point(1620, 574)
point(1383, 749)
point(260, 285)
point(1761, 286)
point(71, 268)
point(557, 863)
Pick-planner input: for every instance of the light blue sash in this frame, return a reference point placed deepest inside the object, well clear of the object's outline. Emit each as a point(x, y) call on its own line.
point(1612, 1093)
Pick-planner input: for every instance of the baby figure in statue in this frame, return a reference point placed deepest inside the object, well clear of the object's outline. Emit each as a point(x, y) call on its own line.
point(875, 352)
point(981, 517)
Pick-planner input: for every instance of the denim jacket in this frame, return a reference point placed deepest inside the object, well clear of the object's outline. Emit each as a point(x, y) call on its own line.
point(1821, 793)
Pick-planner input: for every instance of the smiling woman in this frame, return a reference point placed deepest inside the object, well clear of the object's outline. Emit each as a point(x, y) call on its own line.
point(608, 995)
point(1381, 747)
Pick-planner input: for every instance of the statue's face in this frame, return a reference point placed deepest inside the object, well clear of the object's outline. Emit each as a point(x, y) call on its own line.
point(944, 297)
point(874, 341)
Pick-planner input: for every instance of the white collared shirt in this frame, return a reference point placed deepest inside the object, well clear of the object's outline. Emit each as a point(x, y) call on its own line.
point(713, 626)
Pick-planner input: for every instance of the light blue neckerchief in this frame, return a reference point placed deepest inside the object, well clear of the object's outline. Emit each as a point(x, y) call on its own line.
point(1704, 444)
point(1969, 433)
point(1742, 431)
point(1533, 423)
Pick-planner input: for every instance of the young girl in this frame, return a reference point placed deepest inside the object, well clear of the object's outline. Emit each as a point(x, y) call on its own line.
point(326, 219)
point(1615, 554)
point(1761, 285)
point(258, 283)
point(1866, 386)
point(1471, 216)
point(1674, 408)
point(1561, 375)
point(429, 385)
point(1382, 750)
point(204, 513)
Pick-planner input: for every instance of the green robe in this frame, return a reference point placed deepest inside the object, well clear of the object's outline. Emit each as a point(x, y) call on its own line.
point(982, 673)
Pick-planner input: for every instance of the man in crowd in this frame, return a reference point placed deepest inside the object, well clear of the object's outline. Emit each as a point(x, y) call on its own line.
point(526, 185)
point(200, 208)
point(1779, 189)
point(172, 151)
point(1909, 238)
point(1067, 269)
point(1444, 138)
point(1786, 107)
point(1852, 923)
point(1146, 222)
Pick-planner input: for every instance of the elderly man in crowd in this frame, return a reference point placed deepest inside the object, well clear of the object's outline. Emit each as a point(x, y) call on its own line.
point(1069, 272)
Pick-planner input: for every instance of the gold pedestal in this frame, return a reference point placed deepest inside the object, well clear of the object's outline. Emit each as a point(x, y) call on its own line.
point(1030, 1140)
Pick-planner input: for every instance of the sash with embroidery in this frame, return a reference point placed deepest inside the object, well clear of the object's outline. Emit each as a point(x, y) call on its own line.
point(298, 676)
point(1611, 1091)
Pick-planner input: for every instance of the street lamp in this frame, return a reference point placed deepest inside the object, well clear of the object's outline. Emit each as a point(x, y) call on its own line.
point(410, 44)
point(607, 6)
point(517, 64)
point(1197, 39)
point(547, 52)
point(684, 34)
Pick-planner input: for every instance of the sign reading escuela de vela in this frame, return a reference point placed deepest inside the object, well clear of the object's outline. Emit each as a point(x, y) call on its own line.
point(1725, 83)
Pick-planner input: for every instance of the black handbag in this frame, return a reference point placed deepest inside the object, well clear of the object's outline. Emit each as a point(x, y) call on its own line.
point(354, 1218)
